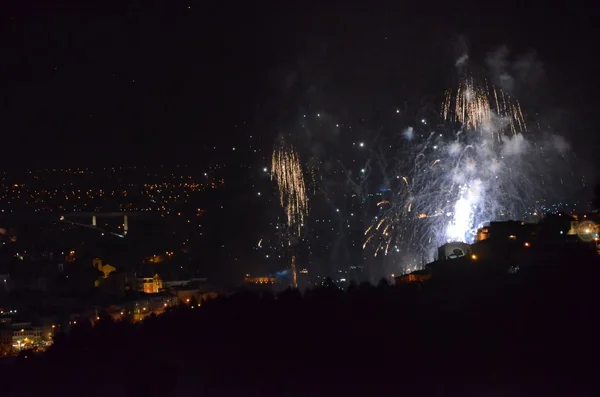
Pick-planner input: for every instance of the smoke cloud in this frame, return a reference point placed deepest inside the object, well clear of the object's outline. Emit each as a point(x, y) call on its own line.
point(514, 146)
point(513, 74)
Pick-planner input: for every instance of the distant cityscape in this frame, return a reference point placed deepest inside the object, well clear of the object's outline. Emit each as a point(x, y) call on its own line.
point(78, 244)
point(106, 189)
point(64, 256)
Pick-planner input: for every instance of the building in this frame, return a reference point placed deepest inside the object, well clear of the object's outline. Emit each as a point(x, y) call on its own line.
point(26, 336)
point(415, 277)
point(149, 285)
point(513, 230)
point(104, 268)
point(453, 250)
point(259, 280)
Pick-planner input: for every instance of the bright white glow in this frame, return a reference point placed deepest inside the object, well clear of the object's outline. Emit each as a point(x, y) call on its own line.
point(362, 144)
point(461, 228)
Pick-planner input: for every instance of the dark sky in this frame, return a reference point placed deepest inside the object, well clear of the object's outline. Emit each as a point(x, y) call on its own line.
point(131, 82)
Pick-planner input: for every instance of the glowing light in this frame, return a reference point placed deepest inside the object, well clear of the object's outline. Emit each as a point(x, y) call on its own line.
point(586, 230)
point(474, 257)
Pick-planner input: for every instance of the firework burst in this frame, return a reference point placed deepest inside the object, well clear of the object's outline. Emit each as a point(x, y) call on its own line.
point(477, 107)
point(475, 167)
point(287, 172)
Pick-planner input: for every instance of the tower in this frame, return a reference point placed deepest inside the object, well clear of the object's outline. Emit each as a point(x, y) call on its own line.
point(294, 274)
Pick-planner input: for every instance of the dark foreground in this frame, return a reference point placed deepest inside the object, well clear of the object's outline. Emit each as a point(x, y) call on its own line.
point(527, 334)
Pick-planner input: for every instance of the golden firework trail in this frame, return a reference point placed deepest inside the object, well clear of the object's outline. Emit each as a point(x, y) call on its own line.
point(474, 108)
point(287, 172)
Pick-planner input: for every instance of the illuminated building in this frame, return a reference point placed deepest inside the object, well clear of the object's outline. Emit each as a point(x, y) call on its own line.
point(150, 285)
point(259, 280)
point(106, 269)
point(26, 336)
point(414, 277)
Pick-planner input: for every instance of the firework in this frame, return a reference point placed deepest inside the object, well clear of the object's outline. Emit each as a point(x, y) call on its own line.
point(477, 168)
point(478, 108)
point(287, 172)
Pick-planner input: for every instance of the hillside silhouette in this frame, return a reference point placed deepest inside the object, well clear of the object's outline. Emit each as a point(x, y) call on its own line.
point(466, 331)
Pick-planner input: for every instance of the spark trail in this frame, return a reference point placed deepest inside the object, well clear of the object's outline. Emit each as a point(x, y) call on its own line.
point(287, 172)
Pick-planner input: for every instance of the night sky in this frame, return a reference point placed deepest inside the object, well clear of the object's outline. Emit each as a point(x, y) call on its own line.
point(118, 83)
point(134, 82)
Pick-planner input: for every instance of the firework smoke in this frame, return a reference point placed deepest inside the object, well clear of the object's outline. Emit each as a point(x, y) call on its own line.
point(474, 168)
point(287, 172)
